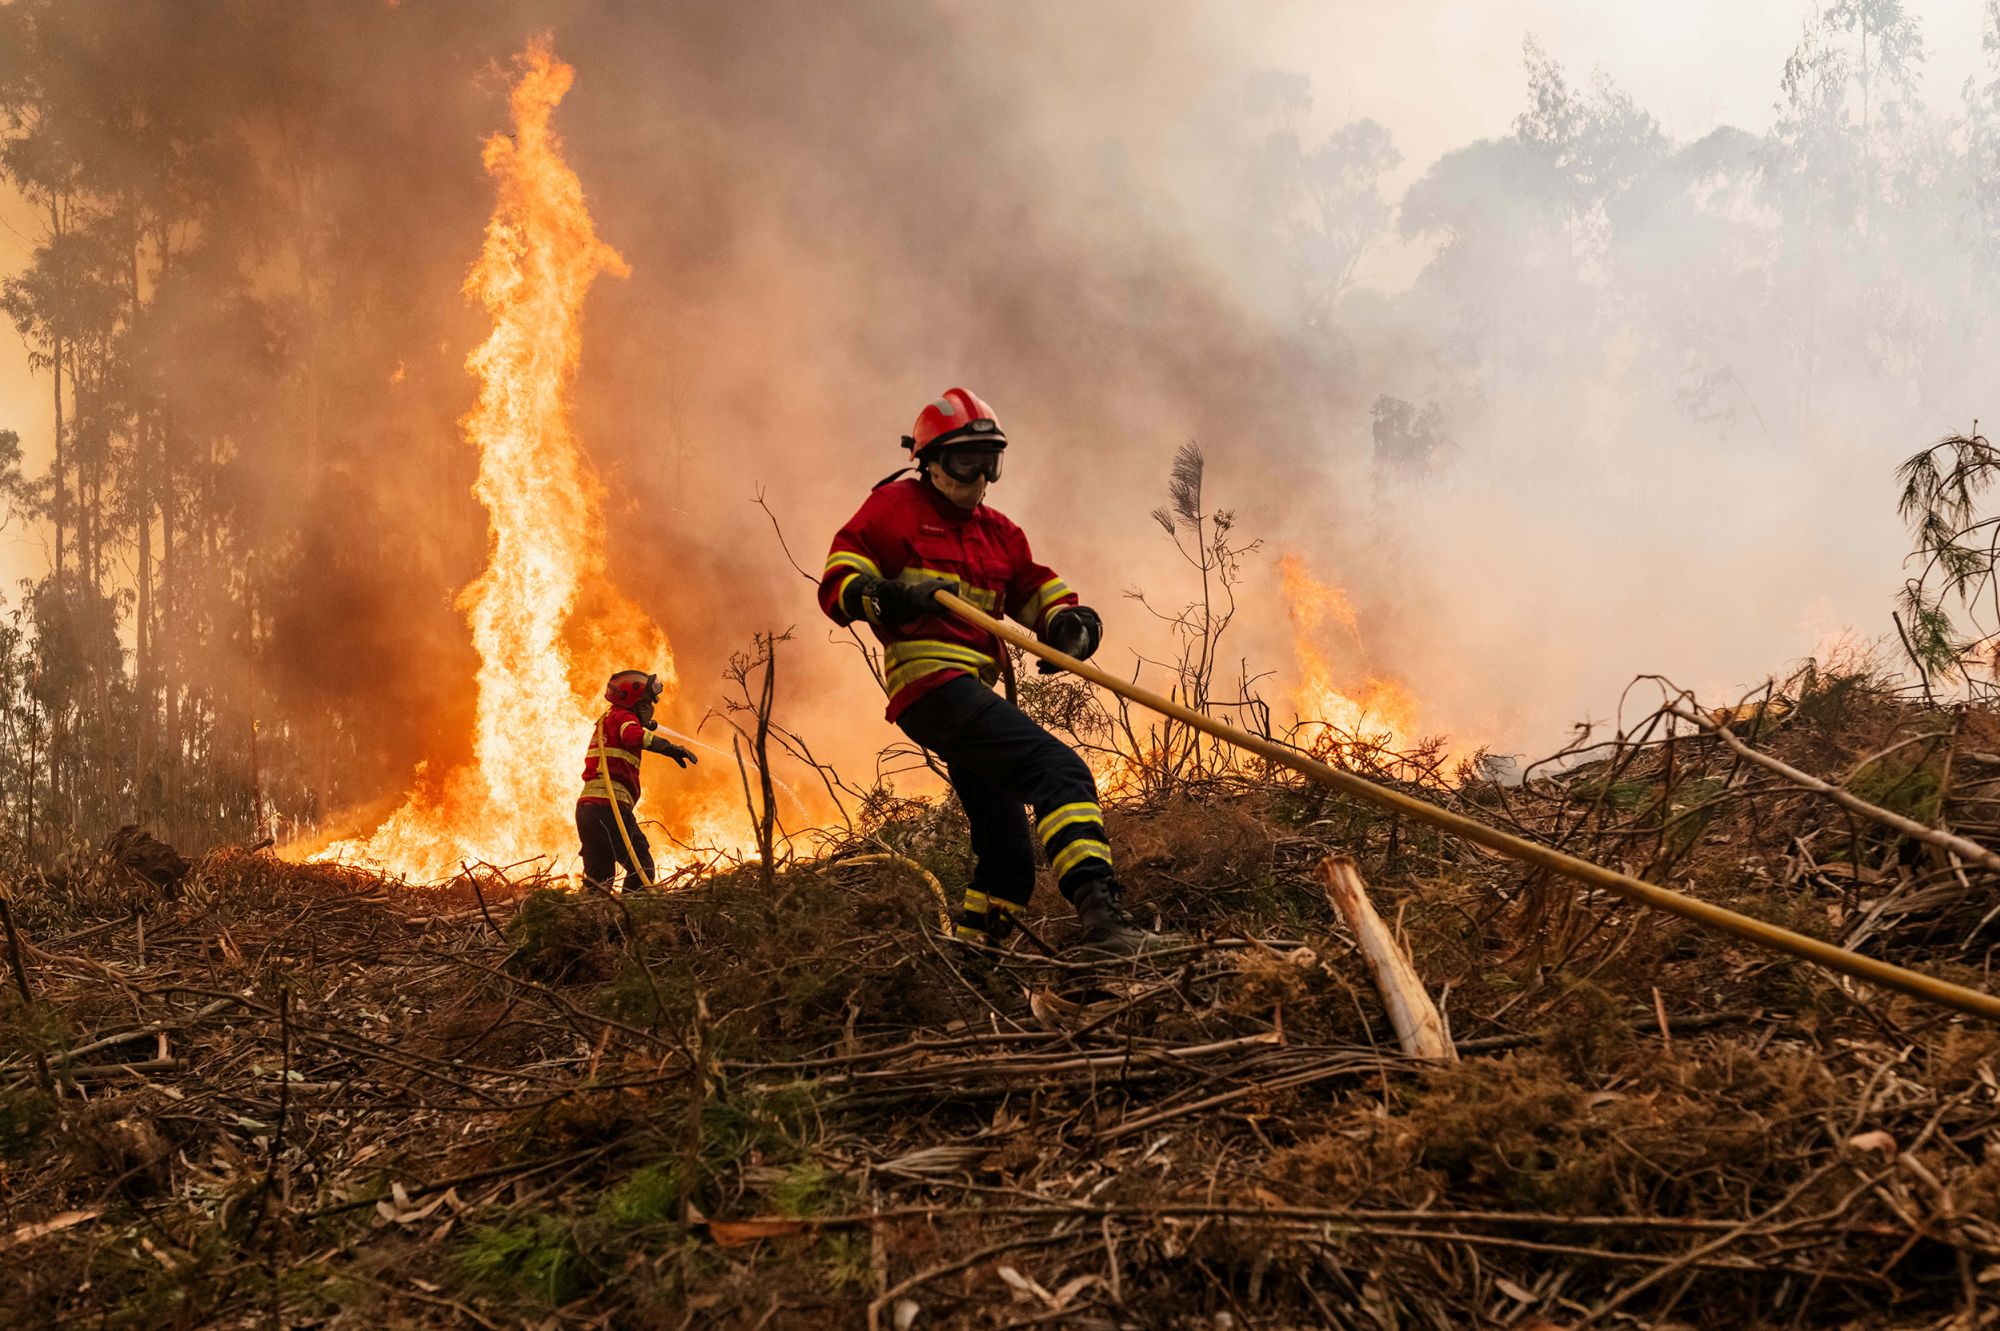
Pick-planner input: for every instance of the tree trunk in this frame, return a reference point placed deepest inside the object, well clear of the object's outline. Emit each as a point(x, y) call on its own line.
point(88, 483)
point(60, 503)
point(250, 693)
point(143, 626)
point(173, 605)
point(93, 516)
point(145, 650)
point(28, 834)
point(167, 645)
point(60, 499)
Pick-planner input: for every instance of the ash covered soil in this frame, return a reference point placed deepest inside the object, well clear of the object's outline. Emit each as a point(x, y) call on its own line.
point(305, 1096)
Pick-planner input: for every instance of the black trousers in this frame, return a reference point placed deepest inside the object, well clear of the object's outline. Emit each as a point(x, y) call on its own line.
point(604, 850)
point(999, 760)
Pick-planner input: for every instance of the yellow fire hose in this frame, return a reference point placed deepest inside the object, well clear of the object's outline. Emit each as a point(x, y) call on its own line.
point(617, 815)
point(1956, 996)
point(929, 879)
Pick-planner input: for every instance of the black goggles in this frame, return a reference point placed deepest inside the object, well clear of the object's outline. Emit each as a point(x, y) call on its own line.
point(968, 464)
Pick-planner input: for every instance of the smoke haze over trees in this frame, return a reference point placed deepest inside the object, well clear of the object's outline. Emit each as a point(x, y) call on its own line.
point(1638, 409)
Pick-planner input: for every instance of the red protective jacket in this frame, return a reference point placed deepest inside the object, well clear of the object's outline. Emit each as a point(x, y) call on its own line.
point(623, 739)
point(906, 530)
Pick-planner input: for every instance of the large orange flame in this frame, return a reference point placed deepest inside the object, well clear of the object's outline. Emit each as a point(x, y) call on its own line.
point(547, 624)
point(1373, 710)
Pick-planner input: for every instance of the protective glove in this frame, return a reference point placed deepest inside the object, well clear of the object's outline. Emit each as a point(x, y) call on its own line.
point(894, 604)
point(1074, 630)
point(668, 749)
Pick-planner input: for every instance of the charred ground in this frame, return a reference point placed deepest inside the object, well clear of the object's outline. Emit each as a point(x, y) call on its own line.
point(287, 1095)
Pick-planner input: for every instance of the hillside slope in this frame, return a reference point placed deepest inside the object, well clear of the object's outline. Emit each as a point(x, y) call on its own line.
point(304, 1096)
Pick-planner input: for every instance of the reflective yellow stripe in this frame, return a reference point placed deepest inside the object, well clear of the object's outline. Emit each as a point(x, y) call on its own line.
point(1069, 815)
point(914, 647)
point(902, 678)
point(851, 559)
point(595, 785)
point(911, 660)
point(1076, 852)
point(1063, 812)
point(603, 751)
point(980, 901)
point(1044, 599)
point(840, 592)
point(934, 649)
point(899, 679)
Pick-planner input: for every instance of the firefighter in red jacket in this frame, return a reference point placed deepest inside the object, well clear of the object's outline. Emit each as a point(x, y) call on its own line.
point(912, 538)
point(618, 739)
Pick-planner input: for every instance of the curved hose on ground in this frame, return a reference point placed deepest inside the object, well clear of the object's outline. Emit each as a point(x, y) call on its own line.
point(937, 888)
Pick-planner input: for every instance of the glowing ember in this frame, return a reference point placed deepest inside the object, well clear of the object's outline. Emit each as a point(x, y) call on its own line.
point(547, 624)
point(1374, 711)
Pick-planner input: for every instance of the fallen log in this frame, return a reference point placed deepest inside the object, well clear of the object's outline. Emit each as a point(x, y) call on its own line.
point(1411, 1012)
point(100, 1071)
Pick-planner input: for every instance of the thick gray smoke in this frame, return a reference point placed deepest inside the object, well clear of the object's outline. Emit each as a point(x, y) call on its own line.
point(1577, 400)
point(1637, 410)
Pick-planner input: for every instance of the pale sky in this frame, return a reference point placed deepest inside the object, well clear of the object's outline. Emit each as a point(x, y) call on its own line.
point(1442, 73)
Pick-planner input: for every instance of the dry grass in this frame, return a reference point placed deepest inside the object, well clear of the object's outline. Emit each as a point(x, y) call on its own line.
point(313, 1098)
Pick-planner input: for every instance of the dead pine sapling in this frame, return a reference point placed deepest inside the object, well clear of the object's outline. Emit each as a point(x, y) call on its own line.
point(1949, 616)
point(1171, 753)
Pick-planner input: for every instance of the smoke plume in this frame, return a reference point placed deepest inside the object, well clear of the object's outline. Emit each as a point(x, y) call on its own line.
point(1633, 406)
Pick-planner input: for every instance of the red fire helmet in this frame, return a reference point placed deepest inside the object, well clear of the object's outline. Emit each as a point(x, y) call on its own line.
point(629, 688)
point(956, 418)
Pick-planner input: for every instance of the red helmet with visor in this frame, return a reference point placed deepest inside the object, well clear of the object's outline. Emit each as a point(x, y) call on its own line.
point(629, 688)
point(956, 418)
point(961, 434)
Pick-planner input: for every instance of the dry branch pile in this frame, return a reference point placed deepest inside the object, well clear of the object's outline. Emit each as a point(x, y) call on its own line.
point(279, 1095)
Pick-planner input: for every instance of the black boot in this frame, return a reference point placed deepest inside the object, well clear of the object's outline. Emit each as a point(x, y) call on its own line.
point(1108, 927)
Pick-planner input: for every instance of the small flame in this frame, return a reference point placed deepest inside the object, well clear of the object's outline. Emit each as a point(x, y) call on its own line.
point(1373, 711)
point(548, 625)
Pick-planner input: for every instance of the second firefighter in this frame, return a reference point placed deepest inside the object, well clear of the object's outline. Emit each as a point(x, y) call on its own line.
point(605, 823)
